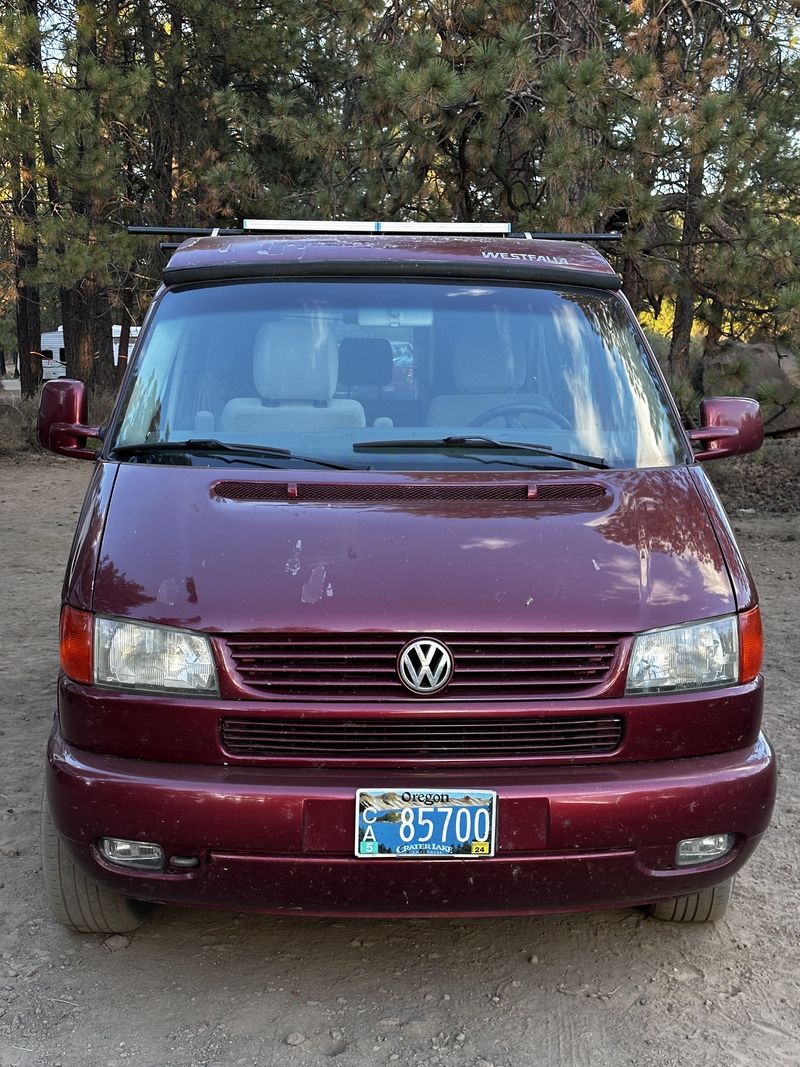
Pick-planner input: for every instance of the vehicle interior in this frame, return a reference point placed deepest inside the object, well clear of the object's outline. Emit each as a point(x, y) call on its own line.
point(260, 362)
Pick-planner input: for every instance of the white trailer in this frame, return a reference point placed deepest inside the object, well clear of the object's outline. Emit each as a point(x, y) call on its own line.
point(54, 358)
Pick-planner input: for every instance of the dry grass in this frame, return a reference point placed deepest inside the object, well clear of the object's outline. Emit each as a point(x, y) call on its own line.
point(18, 419)
point(18, 424)
point(101, 405)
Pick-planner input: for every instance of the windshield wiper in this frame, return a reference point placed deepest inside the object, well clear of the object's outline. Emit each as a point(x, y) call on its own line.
point(476, 441)
point(211, 445)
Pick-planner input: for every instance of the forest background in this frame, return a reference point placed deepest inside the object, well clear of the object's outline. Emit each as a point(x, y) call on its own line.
point(675, 122)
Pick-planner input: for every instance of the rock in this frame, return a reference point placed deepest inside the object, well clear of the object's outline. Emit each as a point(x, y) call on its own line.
point(295, 1039)
point(116, 942)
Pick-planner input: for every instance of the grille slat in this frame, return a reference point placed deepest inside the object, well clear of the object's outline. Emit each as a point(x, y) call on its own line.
point(369, 675)
point(465, 685)
point(282, 657)
point(420, 738)
point(253, 728)
point(437, 492)
point(354, 641)
point(363, 666)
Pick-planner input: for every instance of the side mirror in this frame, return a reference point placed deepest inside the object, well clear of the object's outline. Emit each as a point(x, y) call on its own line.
point(730, 425)
point(61, 425)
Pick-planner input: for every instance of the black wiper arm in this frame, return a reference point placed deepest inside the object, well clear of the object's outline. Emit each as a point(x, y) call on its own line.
point(475, 441)
point(197, 444)
point(211, 445)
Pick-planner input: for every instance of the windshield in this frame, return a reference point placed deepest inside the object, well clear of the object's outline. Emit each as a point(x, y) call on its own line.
point(323, 368)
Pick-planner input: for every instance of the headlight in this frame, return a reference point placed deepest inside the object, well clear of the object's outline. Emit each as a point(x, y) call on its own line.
point(135, 655)
point(702, 655)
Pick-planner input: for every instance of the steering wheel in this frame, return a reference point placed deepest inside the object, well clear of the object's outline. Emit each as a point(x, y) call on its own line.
point(511, 413)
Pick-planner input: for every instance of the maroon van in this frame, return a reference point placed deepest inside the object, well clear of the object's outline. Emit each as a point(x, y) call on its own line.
point(483, 644)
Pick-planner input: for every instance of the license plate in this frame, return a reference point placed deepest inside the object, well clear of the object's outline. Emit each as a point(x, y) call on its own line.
point(425, 823)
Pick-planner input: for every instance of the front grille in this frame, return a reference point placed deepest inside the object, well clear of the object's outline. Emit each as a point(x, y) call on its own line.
point(407, 738)
point(364, 666)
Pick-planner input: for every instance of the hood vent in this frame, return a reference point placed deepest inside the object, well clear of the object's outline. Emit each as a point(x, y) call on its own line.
point(408, 492)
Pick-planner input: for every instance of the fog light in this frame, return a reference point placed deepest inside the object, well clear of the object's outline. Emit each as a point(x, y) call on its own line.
point(693, 850)
point(139, 854)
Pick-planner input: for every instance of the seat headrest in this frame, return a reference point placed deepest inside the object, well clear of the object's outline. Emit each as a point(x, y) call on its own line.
point(484, 358)
point(295, 359)
point(365, 361)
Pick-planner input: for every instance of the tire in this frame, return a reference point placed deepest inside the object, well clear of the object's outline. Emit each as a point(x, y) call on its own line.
point(77, 901)
point(707, 906)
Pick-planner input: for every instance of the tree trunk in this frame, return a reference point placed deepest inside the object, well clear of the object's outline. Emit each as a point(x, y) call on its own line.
point(632, 285)
point(165, 130)
point(714, 315)
point(575, 27)
point(77, 335)
point(26, 257)
point(85, 305)
point(88, 340)
point(105, 373)
point(685, 301)
point(26, 238)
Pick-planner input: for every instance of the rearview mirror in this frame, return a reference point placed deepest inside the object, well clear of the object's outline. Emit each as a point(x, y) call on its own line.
point(729, 426)
point(61, 425)
point(395, 316)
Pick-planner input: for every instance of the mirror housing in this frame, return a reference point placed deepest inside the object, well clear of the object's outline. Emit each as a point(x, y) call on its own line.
point(61, 424)
point(730, 425)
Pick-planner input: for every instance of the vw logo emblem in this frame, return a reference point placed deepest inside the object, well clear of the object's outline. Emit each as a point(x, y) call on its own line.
point(425, 666)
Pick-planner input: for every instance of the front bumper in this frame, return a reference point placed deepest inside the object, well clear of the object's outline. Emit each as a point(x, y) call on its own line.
point(281, 839)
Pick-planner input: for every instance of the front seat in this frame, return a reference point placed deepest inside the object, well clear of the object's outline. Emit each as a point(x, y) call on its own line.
point(487, 373)
point(295, 370)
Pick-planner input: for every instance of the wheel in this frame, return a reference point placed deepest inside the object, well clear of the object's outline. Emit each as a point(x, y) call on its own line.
point(77, 901)
point(704, 907)
point(511, 413)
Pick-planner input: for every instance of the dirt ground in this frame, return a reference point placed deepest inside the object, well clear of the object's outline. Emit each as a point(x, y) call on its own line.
point(207, 989)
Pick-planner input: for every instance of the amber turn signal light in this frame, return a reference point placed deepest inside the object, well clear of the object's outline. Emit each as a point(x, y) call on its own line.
point(751, 645)
point(76, 644)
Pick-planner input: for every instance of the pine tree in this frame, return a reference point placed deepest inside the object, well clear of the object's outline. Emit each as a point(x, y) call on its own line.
point(20, 106)
point(674, 120)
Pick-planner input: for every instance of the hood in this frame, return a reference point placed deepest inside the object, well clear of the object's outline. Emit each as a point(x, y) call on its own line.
point(241, 550)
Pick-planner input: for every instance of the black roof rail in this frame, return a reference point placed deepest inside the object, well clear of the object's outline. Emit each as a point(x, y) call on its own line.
point(569, 236)
point(183, 231)
point(277, 226)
